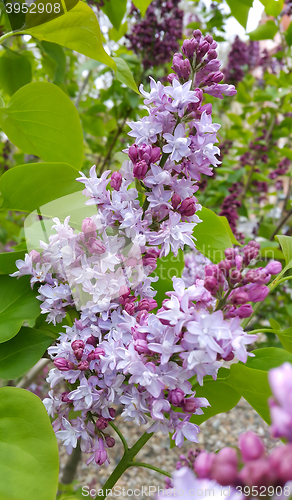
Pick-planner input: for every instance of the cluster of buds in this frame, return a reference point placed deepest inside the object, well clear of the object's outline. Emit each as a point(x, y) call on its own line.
point(142, 157)
point(233, 283)
point(248, 466)
point(201, 60)
point(230, 206)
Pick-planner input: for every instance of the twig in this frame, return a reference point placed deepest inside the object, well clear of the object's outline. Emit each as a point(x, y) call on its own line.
point(83, 88)
point(33, 373)
point(118, 132)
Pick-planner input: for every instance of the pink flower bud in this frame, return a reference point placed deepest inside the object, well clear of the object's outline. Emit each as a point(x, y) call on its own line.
point(211, 284)
point(239, 297)
point(110, 441)
point(78, 353)
point(257, 473)
point(116, 180)
point(134, 153)
point(77, 344)
point(62, 364)
point(141, 346)
point(235, 276)
point(83, 366)
point(203, 465)
point(189, 47)
point(141, 317)
point(224, 466)
point(244, 311)
point(101, 454)
point(140, 170)
point(211, 270)
point(230, 253)
point(101, 423)
point(124, 291)
point(273, 267)
point(190, 405)
point(258, 293)
point(155, 154)
point(91, 340)
point(176, 396)
point(188, 207)
point(251, 446)
point(130, 308)
point(88, 227)
point(175, 200)
point(280, 461)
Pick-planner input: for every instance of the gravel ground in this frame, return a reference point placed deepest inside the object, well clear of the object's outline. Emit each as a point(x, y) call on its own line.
point(220, 430)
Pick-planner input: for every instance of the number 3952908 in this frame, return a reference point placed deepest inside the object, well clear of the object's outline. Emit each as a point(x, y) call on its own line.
point(33, 8)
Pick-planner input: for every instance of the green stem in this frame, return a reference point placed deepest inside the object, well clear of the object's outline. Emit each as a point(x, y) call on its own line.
point(152, 467)
point(261, 330)
point(7, 35)
point(126, 448)
point(125, 462)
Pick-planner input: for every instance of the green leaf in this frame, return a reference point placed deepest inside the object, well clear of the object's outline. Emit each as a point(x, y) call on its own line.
point(40, 119)
point(253, 385)
point(115, 11)
point(116, 35)
point(22, 352)
point(274, 324)
point(221, 396)
point(28, 448)
point(274, 7)
point(229, 230)
point(167, 268)
point(142, 5)
point(15, 71)
point(212, 235)
point(78, 30)
point(240, 11)
point(17, 303)
point(23, 187)
point(57, 54)
point(7, 261)
point(265, 31)
point(124, 74)
point(288, 36)
point(286, 245)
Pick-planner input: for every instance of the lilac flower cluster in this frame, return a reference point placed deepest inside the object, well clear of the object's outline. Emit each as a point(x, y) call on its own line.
point(280, 380)
point(230, 206)
point(118, 352)
point(282, 169)
point(156, 36)
point(233, 282)
point(241, 57)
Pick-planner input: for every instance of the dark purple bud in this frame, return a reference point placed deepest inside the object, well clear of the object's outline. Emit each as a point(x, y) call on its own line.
point(110, 441)
point(197, 34)
point(64, 397)
point(230, 253)
point(211, 270)
point(155, 154)
point(78, 353)
point(140, 170)
point(134, 153)
point(235, 276)
point(91, 340)
point(130, 308)
point(116, 180)
point(188, 207)
point(251, 446)
point(175, 200)
point(244, 311)
point(217, 77)
point(83, 366)
point(112, 412)
point(101, 423)
point(211, 284)
point(189, 47)
point(124, 291)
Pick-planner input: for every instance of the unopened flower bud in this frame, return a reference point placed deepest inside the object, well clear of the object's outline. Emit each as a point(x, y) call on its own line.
point(189, 47)
point(176, 396)
point(273, 267)
point(211, 284)
point(244, 311)
point(88, 227)
point(251, 446)
point(95, 246)
point(101, 423)
point(239, 297)
point(92, 340)
point(134, 153)
point(116, 180)
point(64, 397)
point(257, 473)
point(112, 412)
point(188, 207)
point(110, 441)
point(130, 308)
point(258, 293)
point(140, 170)
point(203, 464)
point(77, 344)
point(35, 256)
point(175, 200)
point(230, 253)
point(62, 364)
point(83, 366)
